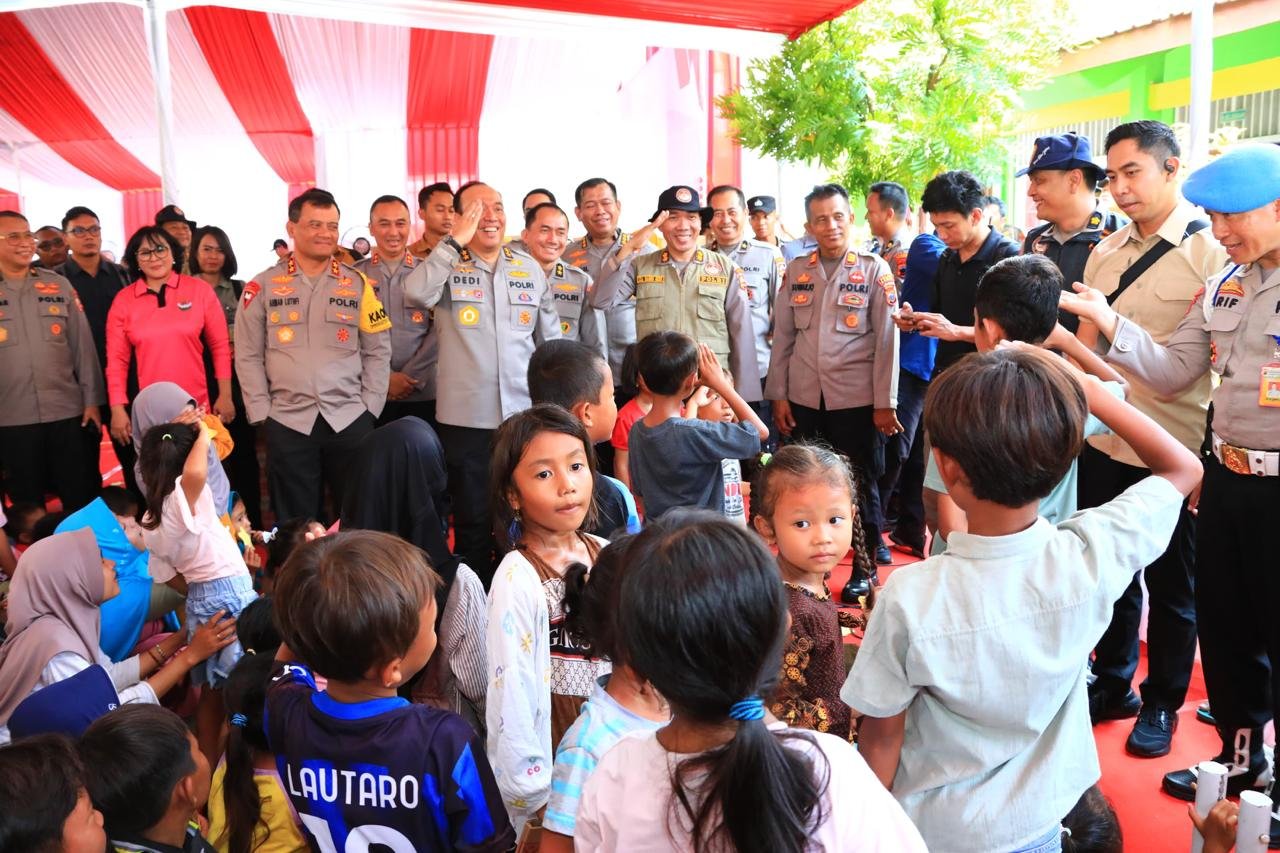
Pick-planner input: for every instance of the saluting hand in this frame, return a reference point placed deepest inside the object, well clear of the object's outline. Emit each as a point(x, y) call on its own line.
point(641, 237)
point(464, 226)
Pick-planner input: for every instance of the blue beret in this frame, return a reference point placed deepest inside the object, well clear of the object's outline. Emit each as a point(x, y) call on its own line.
point(1245, 178)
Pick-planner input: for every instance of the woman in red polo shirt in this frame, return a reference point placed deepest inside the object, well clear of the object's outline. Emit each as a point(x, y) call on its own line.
point(164, 320)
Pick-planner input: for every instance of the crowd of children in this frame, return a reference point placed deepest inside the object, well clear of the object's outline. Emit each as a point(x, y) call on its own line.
point(682, 687)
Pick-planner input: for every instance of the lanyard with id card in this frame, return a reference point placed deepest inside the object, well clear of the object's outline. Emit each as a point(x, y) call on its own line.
point(1269, 381)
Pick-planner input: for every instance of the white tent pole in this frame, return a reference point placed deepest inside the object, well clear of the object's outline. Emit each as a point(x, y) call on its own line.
point(158, 44)
point(1201, 82)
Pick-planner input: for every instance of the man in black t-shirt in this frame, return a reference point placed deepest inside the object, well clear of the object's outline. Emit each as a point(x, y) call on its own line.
point(956, 203)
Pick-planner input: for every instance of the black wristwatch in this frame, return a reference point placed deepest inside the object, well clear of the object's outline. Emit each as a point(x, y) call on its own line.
point(452, 243)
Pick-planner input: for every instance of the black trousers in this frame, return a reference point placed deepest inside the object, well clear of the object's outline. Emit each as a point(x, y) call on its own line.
point(1171, 624)
point(1238, 596)
point(394, 410)
point(300, 466)
point(851, 432)
point(902, 484)
point(242, 467)
point(50, 458)
point(764, 408)
point(466, 454)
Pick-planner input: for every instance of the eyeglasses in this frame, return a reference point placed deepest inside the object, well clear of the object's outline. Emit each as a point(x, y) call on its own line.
point(157, 252)
point(17, 238)
point(55, 243)
point(81, 231)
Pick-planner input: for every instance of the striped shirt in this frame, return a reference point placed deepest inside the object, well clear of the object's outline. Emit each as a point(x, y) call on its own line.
point(602, 724)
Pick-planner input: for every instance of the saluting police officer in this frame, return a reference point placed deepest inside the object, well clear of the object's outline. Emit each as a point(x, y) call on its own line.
point(762, 266)
point(685, 288)
point(492, 308)
point(1063, 187)
point(50, 381)
point(415, 346)
point(597, 207)
point(313, 360)
point(834, 371)
point(545, 235)
point(1233, 331)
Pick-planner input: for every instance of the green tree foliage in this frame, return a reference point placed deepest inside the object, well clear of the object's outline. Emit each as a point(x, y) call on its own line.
point(901, 89)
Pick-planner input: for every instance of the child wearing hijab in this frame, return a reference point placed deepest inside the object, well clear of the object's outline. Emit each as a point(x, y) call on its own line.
point(162, 403)
point(54, 624)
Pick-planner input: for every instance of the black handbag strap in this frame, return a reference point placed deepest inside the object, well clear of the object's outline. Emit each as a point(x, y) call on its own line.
point(1149, 258)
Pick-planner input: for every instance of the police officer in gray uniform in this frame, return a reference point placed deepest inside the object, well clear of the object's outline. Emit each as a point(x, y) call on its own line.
point(50, 381)
point(492, 307)
point(762, 266)
point(415, 346)
point(834, 371)
point(597, 207)
point(546, 233)
point(1233, 330)
point(313, 360)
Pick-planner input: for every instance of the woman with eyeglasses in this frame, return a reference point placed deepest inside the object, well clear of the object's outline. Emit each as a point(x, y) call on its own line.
point(164, 323)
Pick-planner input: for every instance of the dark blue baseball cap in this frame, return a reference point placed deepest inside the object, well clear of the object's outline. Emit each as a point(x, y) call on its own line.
point(1061, 153)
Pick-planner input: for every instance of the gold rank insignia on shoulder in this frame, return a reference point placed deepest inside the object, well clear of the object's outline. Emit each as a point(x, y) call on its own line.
point(336, 268)
point(1095, 220)
point(559, 269)
point(699, 256)
point(509, 255)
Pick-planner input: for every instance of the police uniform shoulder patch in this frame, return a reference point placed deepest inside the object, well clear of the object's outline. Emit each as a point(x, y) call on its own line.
point(251, 290)
point(373, 317)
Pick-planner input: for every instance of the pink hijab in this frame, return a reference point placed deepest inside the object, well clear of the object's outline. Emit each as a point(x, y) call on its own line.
point(53, 608)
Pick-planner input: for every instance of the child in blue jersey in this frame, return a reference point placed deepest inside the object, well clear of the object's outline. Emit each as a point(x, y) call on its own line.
point(361, 765)
point(621, 703)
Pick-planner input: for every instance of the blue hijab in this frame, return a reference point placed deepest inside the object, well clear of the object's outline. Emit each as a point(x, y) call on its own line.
point(123, 615)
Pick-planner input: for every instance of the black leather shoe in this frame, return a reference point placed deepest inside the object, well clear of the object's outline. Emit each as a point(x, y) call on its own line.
point(1205, 714)
point(1104, 705)
point(856, 588)
point(883, 557)
point(1239, 746)
point(1152, 734)
point(915, 549)
point(1181, 783)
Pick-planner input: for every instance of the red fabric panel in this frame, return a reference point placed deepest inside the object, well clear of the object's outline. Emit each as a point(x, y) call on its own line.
point(9, 200)
point(724, 155)
point(37, 95)
point(140, 207)
point(447, 76)
point(769, 16)
point(244, 57)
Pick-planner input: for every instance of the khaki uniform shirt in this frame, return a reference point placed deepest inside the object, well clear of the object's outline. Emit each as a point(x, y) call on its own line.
point(762, 266)
point(490, 318)
point(1157, 301)
point(312, 347)
point(570, 287)
point(415, 344)
point(834, 340)
point(49, 367)
point(1233, 330)
point(225, 290)
point(707, 302)
point(620, 320)
point(894, 253)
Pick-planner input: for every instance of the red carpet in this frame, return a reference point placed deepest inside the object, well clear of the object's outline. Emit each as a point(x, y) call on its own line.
point(1153, 822)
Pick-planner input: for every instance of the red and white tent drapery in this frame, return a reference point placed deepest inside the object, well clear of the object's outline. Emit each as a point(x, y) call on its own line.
point(260, 104)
